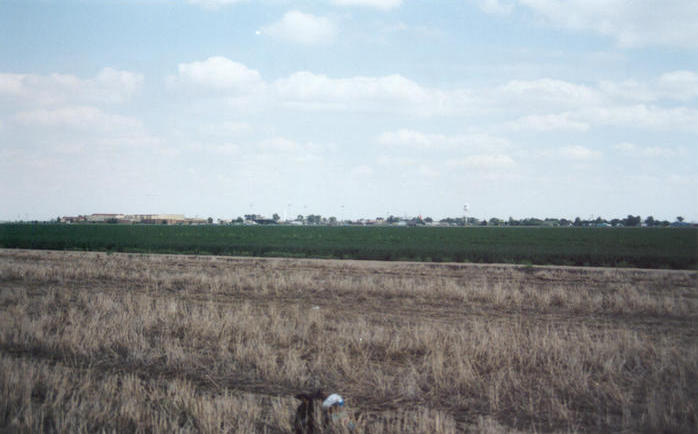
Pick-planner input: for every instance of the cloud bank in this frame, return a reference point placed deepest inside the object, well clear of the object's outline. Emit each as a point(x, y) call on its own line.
point(301, 28)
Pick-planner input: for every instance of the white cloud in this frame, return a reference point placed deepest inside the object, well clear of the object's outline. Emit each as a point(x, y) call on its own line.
point(548, 104)
point(625, 146)
point(244, 88)
point(483, 162)
point(76, 117)
point(575, 152)
point(538, 105)
point(410, 138)
point(287, 146)
point(388, 93)
point(396, 160)
point(135, 139)
point(427, 171)
point(647, 151)
point(273, 152)
point(379, 4)
point(361, 171)
point(280, 144)
point(301, 28)
point(225, 149)
point(227, 128)
point(629, 90)
point(405, 138)
point(658, 151)
point(309, 86)
point(11, 84)
point(497, 7)
point(549, 122)
point(547, 91)
point(632, 23)
point(642, 116)
point(675, 85)
point(681, 85)
point(113, 85)
point(213, 4)
point(218, 73)
point(108, 86)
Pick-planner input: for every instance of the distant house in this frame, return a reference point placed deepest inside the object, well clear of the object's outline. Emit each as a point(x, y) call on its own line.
point(72, 219)
point(170, 219)
point(104, 218)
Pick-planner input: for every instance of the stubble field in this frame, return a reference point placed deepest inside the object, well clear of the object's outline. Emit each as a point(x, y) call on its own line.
point(138, 343)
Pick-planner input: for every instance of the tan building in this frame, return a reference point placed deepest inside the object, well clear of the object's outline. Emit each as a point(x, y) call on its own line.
point(104, 218)
point(170, 219)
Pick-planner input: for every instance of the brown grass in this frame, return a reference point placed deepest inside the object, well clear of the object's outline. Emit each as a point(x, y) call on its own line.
point(92, 342)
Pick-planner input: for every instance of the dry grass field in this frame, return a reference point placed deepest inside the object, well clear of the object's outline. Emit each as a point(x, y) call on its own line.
point(156, 343)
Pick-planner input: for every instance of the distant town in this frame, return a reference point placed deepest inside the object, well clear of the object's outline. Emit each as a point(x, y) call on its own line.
point(316, 220)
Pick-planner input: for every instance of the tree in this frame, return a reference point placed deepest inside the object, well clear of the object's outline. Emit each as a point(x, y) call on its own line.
point(494, 221)
point(577, 222)
point(313, 219)
point(632, 220)
point(276, 217)
point(679, 219)
point(428, 220)
point(210, 220)
point(300, 218)
point(532, 221)
point(332, 221)
point(649, 221)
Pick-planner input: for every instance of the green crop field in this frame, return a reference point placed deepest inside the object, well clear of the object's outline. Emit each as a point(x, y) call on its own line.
point(632, 247)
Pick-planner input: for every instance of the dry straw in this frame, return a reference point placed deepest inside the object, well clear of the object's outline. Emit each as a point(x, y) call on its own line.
point(94, 342)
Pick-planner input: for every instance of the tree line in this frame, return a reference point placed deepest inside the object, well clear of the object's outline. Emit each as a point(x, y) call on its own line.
point(316, 219)
point(629, 221)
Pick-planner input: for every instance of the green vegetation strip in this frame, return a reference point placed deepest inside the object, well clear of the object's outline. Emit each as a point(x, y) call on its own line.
point(626, 247)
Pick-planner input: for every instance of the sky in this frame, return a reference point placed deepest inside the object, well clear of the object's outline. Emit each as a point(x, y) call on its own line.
point(349, 108)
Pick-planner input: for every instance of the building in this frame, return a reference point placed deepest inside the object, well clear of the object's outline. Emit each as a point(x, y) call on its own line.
point(170, 219)
point(104, 218)
point(71, 219)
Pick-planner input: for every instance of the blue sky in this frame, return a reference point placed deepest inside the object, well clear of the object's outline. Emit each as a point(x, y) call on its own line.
point(351, 108)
